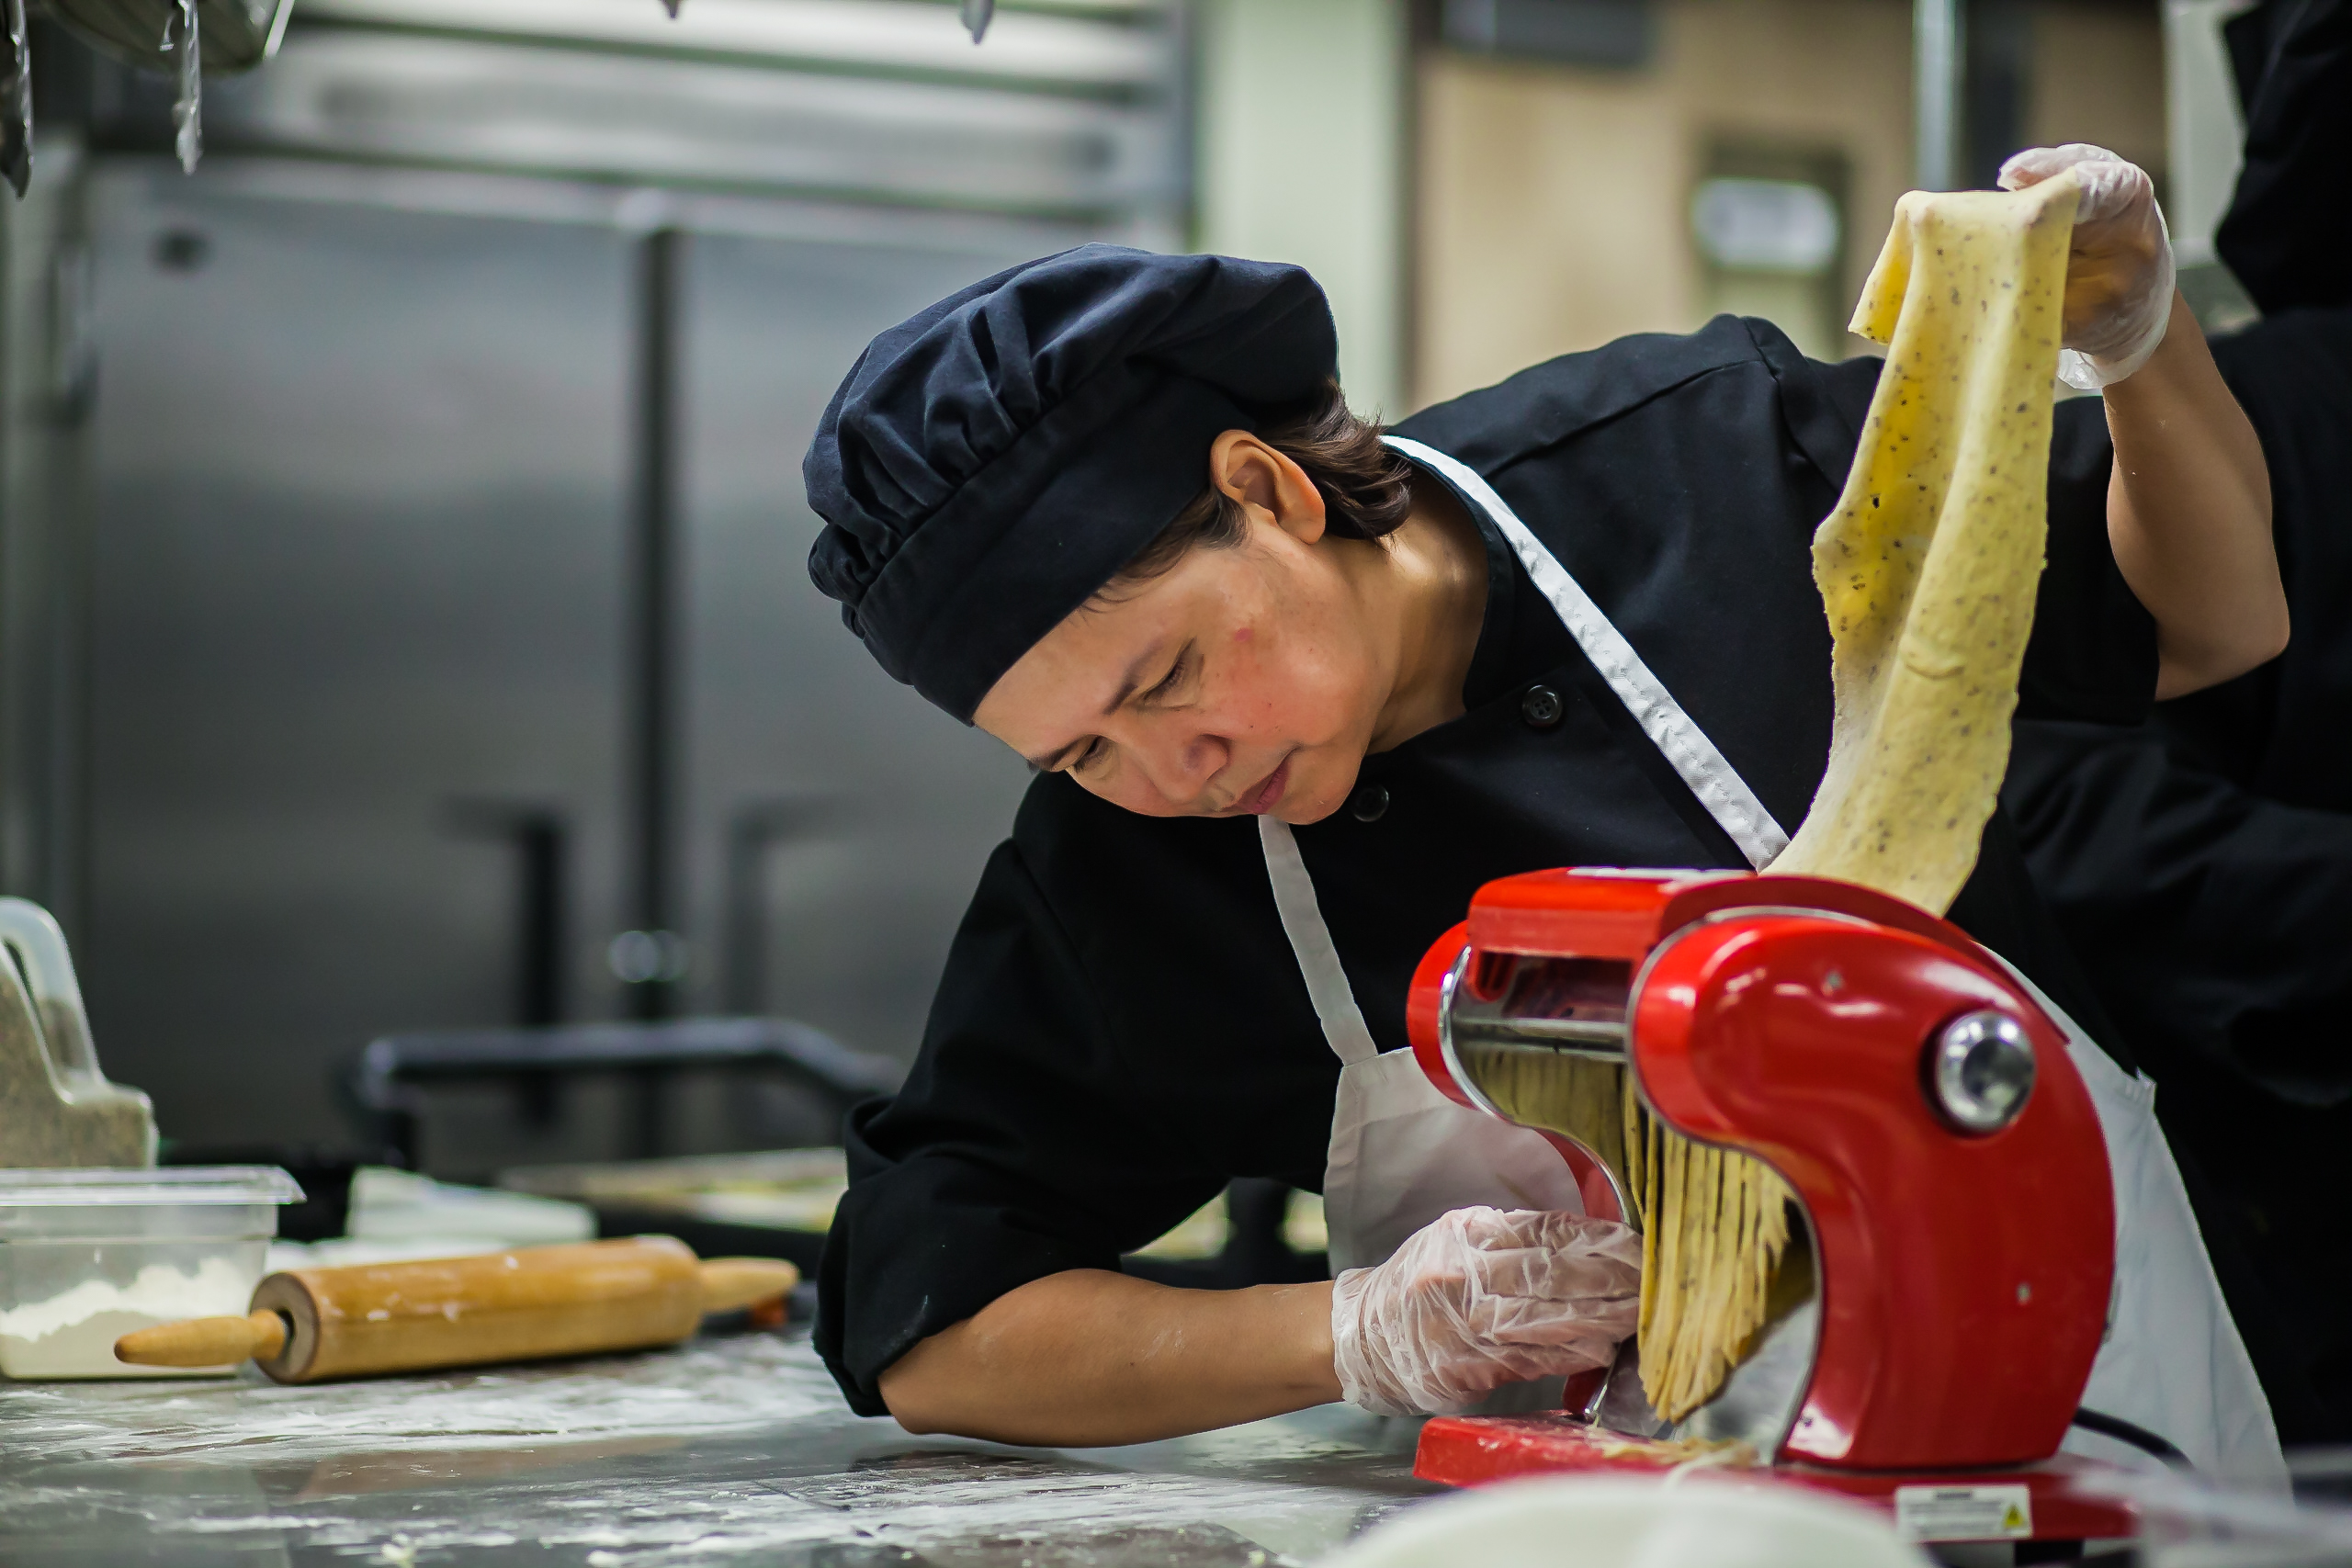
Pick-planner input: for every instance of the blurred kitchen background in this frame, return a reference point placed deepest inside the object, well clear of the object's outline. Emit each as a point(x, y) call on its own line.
point(403, 625)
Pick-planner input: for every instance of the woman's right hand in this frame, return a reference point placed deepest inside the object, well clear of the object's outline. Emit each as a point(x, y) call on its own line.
point(1480, 1298)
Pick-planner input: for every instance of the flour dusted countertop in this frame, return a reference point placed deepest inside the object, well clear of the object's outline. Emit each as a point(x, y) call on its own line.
point(734, 1450)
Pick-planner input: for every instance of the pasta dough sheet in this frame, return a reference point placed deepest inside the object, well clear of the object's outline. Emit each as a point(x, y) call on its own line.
point(1575, 1096)
point(1928, 566)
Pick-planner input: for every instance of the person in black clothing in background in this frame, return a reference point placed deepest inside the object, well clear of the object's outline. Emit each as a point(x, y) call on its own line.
point(2201, 865)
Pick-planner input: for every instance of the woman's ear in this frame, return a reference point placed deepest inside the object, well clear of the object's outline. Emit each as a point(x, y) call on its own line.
point(1272, 486)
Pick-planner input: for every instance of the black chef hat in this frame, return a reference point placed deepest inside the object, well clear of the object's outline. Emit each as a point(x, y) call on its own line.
point(992, 461)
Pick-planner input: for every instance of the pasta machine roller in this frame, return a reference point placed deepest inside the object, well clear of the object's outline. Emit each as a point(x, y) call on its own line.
point(1948, 1283)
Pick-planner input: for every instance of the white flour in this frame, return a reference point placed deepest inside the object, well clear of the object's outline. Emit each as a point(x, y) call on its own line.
point(72, 1335)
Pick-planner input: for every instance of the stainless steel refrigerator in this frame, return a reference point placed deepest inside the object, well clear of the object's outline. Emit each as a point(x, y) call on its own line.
point(440, 648)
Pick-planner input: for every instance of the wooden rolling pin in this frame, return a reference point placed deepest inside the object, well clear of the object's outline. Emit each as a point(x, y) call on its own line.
point(311, 1324)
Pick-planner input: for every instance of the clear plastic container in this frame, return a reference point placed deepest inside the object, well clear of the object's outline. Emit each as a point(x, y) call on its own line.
point(89, 1255)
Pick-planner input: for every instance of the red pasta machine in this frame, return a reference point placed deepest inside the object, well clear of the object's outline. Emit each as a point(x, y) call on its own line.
point(1957, 1212)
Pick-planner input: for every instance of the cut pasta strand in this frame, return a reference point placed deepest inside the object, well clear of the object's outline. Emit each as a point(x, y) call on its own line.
point(1714, 1222)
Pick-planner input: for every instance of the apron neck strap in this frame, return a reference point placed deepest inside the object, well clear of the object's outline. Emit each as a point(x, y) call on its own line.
point(1310, 938)
point(1693, 757)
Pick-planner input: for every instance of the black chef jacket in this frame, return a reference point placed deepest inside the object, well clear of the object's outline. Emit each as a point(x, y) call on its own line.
point(2201, 866)
point(1121, 1027)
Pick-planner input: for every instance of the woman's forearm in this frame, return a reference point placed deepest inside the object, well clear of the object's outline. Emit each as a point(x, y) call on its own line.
point(1087, 1359)
point(2189, 515)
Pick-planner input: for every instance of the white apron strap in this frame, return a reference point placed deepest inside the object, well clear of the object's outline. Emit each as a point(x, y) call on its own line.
point(1686, 747)
point(1310, 938)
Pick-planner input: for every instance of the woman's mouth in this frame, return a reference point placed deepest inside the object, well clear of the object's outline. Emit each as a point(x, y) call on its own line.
point(1262, 799)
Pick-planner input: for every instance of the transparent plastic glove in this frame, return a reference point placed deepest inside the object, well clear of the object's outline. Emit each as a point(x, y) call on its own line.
point(1480, 1298)
point(2119, 277)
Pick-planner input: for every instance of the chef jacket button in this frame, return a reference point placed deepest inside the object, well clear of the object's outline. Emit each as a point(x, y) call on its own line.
point(1369, 803)
point(1542, 707)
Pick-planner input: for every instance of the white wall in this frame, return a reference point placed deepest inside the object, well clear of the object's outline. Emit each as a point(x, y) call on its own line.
point(1302, 159)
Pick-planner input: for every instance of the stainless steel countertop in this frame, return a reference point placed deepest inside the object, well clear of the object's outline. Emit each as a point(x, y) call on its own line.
point(733, 1449)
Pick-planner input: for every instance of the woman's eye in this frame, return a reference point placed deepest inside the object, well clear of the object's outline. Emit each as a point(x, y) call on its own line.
point(1175, 677)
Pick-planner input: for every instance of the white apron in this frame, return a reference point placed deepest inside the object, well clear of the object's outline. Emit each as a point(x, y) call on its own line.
point(1402, 1153)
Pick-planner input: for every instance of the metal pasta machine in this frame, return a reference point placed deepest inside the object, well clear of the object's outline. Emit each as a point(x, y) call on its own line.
point(1946, 1284)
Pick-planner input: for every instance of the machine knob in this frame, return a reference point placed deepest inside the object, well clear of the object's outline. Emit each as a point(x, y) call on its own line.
point(1980, 1070)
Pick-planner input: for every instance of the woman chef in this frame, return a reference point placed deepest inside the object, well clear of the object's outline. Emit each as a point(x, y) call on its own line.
point(1295, 689)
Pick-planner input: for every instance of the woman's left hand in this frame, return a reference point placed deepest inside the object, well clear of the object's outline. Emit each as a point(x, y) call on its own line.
point(2120, 272)
point(1479, 1298)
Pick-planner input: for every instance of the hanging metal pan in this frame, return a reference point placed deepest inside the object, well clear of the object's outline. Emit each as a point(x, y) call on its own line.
point(232, 35)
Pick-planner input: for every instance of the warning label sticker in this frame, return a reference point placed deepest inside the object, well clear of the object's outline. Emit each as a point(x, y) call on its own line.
point(1964, 1512)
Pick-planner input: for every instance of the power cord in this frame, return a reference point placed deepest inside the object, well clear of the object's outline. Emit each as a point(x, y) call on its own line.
point(2123, 1431)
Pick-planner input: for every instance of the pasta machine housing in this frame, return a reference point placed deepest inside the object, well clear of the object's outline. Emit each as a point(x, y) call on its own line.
point(1963, 1271)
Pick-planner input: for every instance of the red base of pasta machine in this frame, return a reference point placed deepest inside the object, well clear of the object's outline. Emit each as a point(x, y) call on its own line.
point(1946, 1158)
point(2034, 1501)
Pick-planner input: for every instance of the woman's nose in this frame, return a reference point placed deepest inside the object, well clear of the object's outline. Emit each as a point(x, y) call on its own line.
point(1180, 765)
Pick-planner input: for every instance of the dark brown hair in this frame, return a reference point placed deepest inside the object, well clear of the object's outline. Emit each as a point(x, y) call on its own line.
point(1365, 484)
